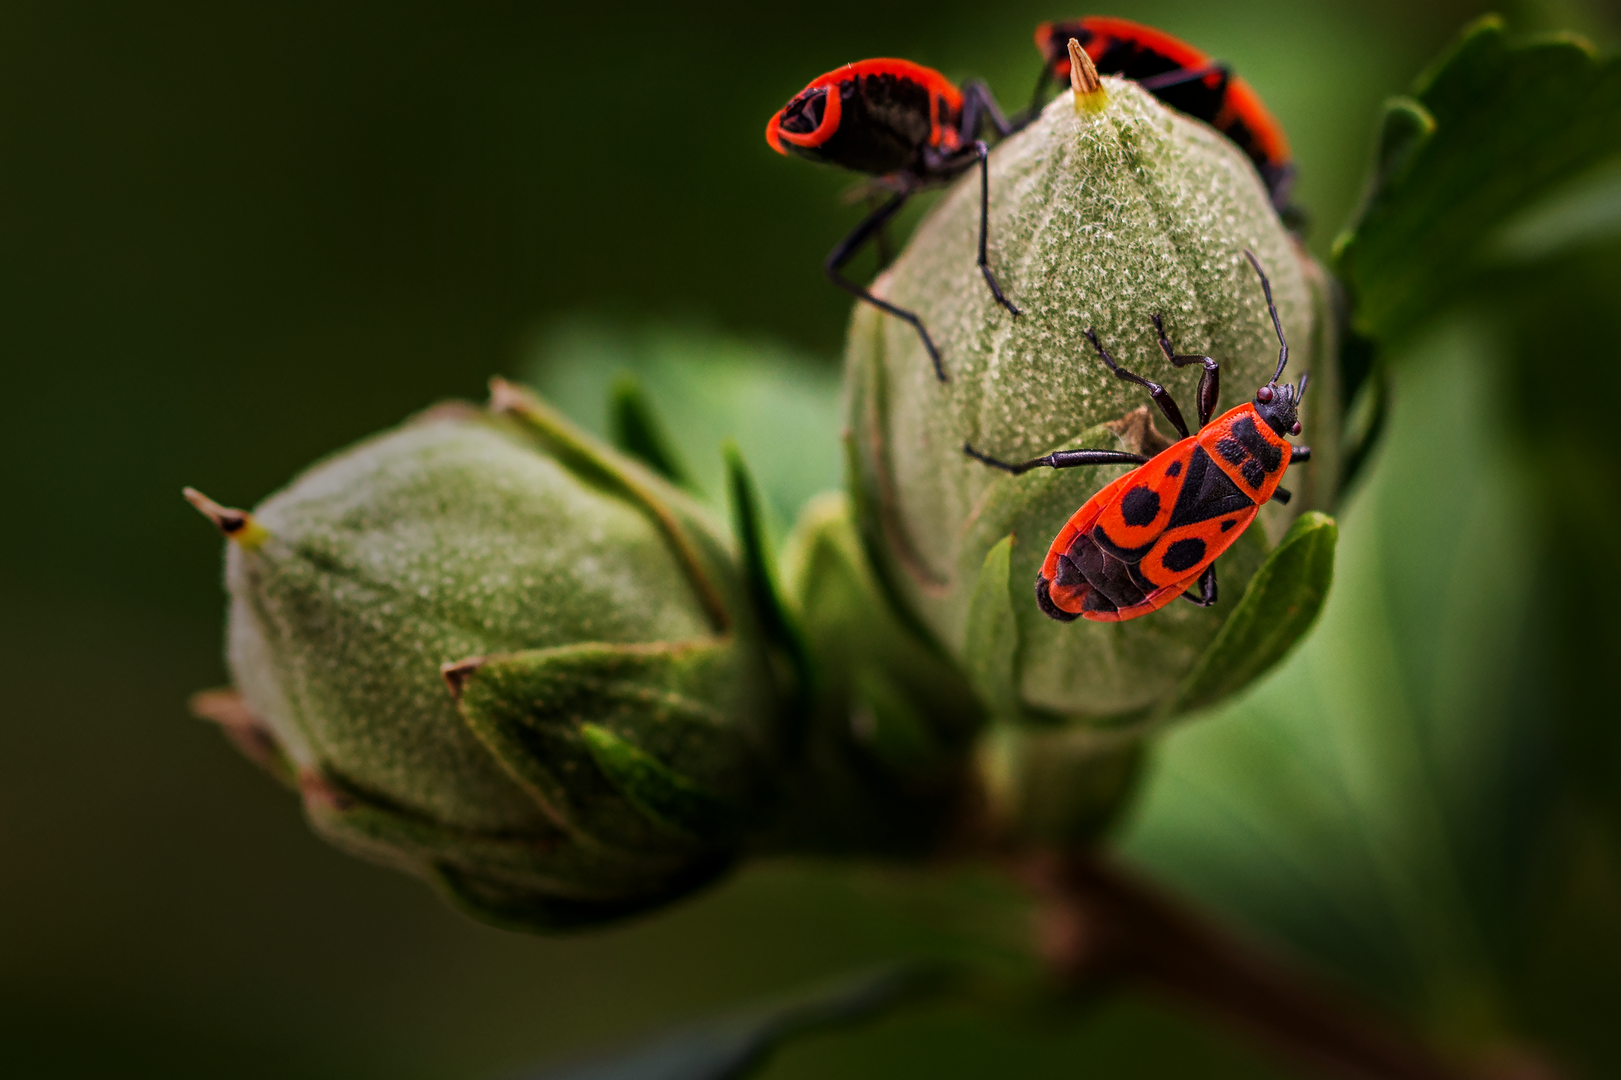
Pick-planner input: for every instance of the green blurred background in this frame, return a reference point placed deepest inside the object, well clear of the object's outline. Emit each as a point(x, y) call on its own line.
point(237, 239)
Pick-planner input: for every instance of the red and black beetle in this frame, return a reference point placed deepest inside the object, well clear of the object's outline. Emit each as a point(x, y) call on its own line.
point(1151, 535)
point(906, 124)
point(1182, 77)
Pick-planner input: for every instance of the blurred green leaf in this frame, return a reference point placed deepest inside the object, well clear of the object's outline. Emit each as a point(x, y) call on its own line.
point(1279, 605)
point(729, 1047)
point(779, 405)
point(1488, 130)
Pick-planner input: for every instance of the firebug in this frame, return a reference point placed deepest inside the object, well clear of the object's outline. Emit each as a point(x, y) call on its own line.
point(1154, 533)
point(909, 126)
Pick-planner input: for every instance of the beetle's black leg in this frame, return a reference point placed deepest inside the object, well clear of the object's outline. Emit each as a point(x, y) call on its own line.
point(985, 226)
point(870, 226)
point(1059, 459)
point(1281, 496)
point(1186, 75)
point(1299, 454)
point(1209, 383)
point(1207, 588)
point(950, 165)
point(978, 104)
point(1163, 399)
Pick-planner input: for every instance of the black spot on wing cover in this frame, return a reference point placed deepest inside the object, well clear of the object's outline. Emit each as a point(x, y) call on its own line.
point(1248, 436)
point(1183, 555)
point(1207, 492)
point(1140, 506)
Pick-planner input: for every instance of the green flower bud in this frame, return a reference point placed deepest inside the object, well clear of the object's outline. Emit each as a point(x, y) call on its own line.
point(499, 655)
point(1099, 219)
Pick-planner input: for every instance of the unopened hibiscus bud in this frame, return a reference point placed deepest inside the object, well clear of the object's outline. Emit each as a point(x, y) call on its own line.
point(494, 653)
point(1101, 218)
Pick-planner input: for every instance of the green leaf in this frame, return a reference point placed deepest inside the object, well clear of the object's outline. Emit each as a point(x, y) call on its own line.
point(993, 636)
point(660, 793)
point(1491, 128)
point(1279, 606)
point(633, 427)
point(733, 1046)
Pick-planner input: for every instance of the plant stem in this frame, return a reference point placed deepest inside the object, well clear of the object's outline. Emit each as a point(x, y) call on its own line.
point(1101, 922)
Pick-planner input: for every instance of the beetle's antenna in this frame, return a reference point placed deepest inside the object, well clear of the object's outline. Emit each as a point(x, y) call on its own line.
point(1305, 376)
point(1266, 287)
point(1083, 79)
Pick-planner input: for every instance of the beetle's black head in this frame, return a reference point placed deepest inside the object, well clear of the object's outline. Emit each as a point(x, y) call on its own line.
point(1279, 405)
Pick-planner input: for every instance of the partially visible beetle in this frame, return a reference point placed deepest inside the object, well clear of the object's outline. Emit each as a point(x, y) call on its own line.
point(906, 124)
point(1182, 77)
point(1151, 535)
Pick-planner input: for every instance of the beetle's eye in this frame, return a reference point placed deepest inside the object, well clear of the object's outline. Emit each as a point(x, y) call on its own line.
point(1264, 394)
point(1295, 430)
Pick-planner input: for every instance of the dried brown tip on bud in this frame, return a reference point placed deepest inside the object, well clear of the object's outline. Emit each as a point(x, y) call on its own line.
point(457, 672)
point(1083, 79)
point(238, 525)
point(230, 711)
point(507, 397)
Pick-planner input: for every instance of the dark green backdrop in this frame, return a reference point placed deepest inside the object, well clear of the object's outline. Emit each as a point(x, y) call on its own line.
point(234, 239)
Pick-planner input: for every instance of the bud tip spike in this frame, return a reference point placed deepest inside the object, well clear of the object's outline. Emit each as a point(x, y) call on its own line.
point(1083, 79)
point(238, 526)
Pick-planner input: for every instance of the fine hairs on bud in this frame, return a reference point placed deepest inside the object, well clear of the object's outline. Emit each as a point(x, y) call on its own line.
point(1083, 79)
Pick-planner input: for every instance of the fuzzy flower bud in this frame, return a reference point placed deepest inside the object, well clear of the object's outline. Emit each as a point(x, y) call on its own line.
point(494, 653)
point(1100, 218)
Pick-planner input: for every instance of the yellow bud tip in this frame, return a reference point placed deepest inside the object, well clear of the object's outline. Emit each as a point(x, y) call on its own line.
point(1083, 79)
point(506, 397)
point(238, 526)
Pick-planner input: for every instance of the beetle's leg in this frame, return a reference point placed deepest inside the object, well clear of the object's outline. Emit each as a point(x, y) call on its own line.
point(1162, 398)
point(1187, 75)
point(1059, 459)
point(949, 165)
point(1207, 588)
point(858, 238)
point(1209, 382)
point(1281, 496)
point(1298, 454)
point(978, 104)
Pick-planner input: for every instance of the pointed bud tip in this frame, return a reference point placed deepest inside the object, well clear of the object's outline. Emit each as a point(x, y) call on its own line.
point(238, 526)
point(506, 397)
point(1083, 79)
point(457, 672)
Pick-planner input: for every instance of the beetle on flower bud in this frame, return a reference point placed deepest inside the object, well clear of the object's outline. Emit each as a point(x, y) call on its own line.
point(1151, 535)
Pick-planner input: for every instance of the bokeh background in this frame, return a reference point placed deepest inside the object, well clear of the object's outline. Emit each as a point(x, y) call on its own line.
point(235, 239)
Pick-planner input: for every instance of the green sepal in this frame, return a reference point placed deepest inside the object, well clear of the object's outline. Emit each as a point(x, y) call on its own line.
point(1489, 129)
point(760, 580)
point(663, 795)
point(546, 880)
point(598, 465)
point(991, 653)
point(1279, 605)
point(634, 428)
point(665, 705)
point(1057, 785)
